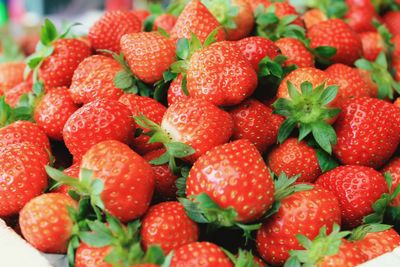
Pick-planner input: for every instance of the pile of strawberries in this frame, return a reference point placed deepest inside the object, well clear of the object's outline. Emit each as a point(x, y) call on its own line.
point(214, 133)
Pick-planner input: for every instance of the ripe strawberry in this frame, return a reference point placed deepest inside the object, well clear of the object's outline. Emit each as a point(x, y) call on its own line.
point(375, 244)
point(337, 34)
point(303, 212)
point(360, 18)
point(200, 254)
point(13, 95)
point(372, 87)
point(283, 9)
point(165, 22)
point(107, 32)
point(23, 131)
point(347, 256)
point(349, 80)
point(46, 224)
point(94, 79)
point(196, 19)
point(164, 178)
point(367, 132)
point(210, 75)
point(128, 178)
point(87, 256)
point(372, 44)
point(141, 14)
point(148, 54)
point(167, 225)
point(254, 4)
point(23, 175)
point(175, 92)
point(357, 188)
point(53, 111)
point(95, 122)
point(72, 171)
point(255, 122)
point(296, 52)
point(312, 17)
point(150, 108)
point(392, 19)
point(11, 74)
point(227, 174)
point(256, 48)
point(295, 157)
point(393, 167)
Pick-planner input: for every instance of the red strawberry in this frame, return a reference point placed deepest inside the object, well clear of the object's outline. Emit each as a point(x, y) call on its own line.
point(128, 178)
point(256, 48)
point(376, 244)
point(175, 92)
point(296, 52)
point(337, 34)
point(392, 19)
point(72, 171)
point(200, 254)
point(254, 121)
point(303, 212)
point(368, 132)
point(53, 111)
point(312, 17)
point(141, 14)
point(372, 44)
point(107, 32)
point(95, 122)
point(13, 95)
point(295, 157)
point(360, 18)
point(23, 175)
point(165, 179)
point(11, 74)
point(372, 87)
point(87, 256)
point(165, 22)
point(148, 54)
point(396, 56)
point(357, 188)
point(150, 108)
point(256, 3)
point(46, 224)
point(94, 79)
point(234, 175)
point(167, 225)
point(283, 9)
point(221, 75)
point(393, 167)
point(347, 256)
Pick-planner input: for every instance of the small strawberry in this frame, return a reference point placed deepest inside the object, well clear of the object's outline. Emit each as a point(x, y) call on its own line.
point(313, 16)
point(13, 95)
point(107, 32)
point(165, 22)
point(360, 18)
point(296, 52)
point(373, 44)
point(46, 223)
point(200, 254)
point(11, 74)
point(393, 167)
point(392, 19)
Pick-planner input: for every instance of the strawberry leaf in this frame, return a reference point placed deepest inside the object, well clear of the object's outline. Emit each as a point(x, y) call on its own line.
point(361, 231)
point(326, 162)
point(48, 32)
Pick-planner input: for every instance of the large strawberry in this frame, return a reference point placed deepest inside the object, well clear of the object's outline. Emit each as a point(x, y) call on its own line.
point(393, 167)
point(360, 15)
point(11, 74)
point(108, 30)
point(46, 223)
point(368, 132)
point(391, 19)
point(296, 52)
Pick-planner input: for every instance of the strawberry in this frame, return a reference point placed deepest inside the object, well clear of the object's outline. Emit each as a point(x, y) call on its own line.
point(256, 48)
point(396, 56)
point(255, 122)
point(53, 111)
point(303, 212)
point(13, 95)
point(141, 14)
point(372, 43)
point(124, 174)
point(94, 79)
point(164, 178)
point(393, 167)
point(210, 75)
point(391, 19)
point(312, 17)
point(153, 110)
point(234, 175)
point(372, 87)
point(24, 177)
point(71, 171)
point(149, 54)
point(360, 18)
point(196, 19)
point(200, 254)
point(357, 188)
point(296, 52)
point(175, 92)
point(167, 225)
point(337, 34)
point(46, 224)
point(367, 132)
point(295, 157)
point(95, 122)
point(88, 256)
point(11, 74)
point(165, 22)
point(254, 4)
point(107, 32)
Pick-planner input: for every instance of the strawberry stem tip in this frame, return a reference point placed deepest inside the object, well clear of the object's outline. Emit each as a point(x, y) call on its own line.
point(244, 258)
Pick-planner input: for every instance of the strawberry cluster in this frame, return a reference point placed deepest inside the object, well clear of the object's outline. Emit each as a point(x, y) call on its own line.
point(213, 133)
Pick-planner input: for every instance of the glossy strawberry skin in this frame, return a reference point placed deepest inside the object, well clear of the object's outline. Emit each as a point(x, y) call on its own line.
point(53, 111)
point(393, 167)
point(149, 54)
point(165, 22)
point(46, 224)
point(348, 256)
point(11, 74)
point(197, 123)
point(24, 176)
point(303, 213)
point(150, 108)
point(336, 33)
point(13, 95)
point(107, 32)
point(255, 48)
point(368, 132)
point(221, 75)
point(58, 69)
point(167, 225)
point(94, 79)
point(200, 254)
point(357, 188)
point(128, 178)
point(234, 175)
point(95, 122)
point(372, 44)
point(255, 122)
point(296, 53)
point(376, 244)
point(87, 256)
point(295, 157)
point(392, 19)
